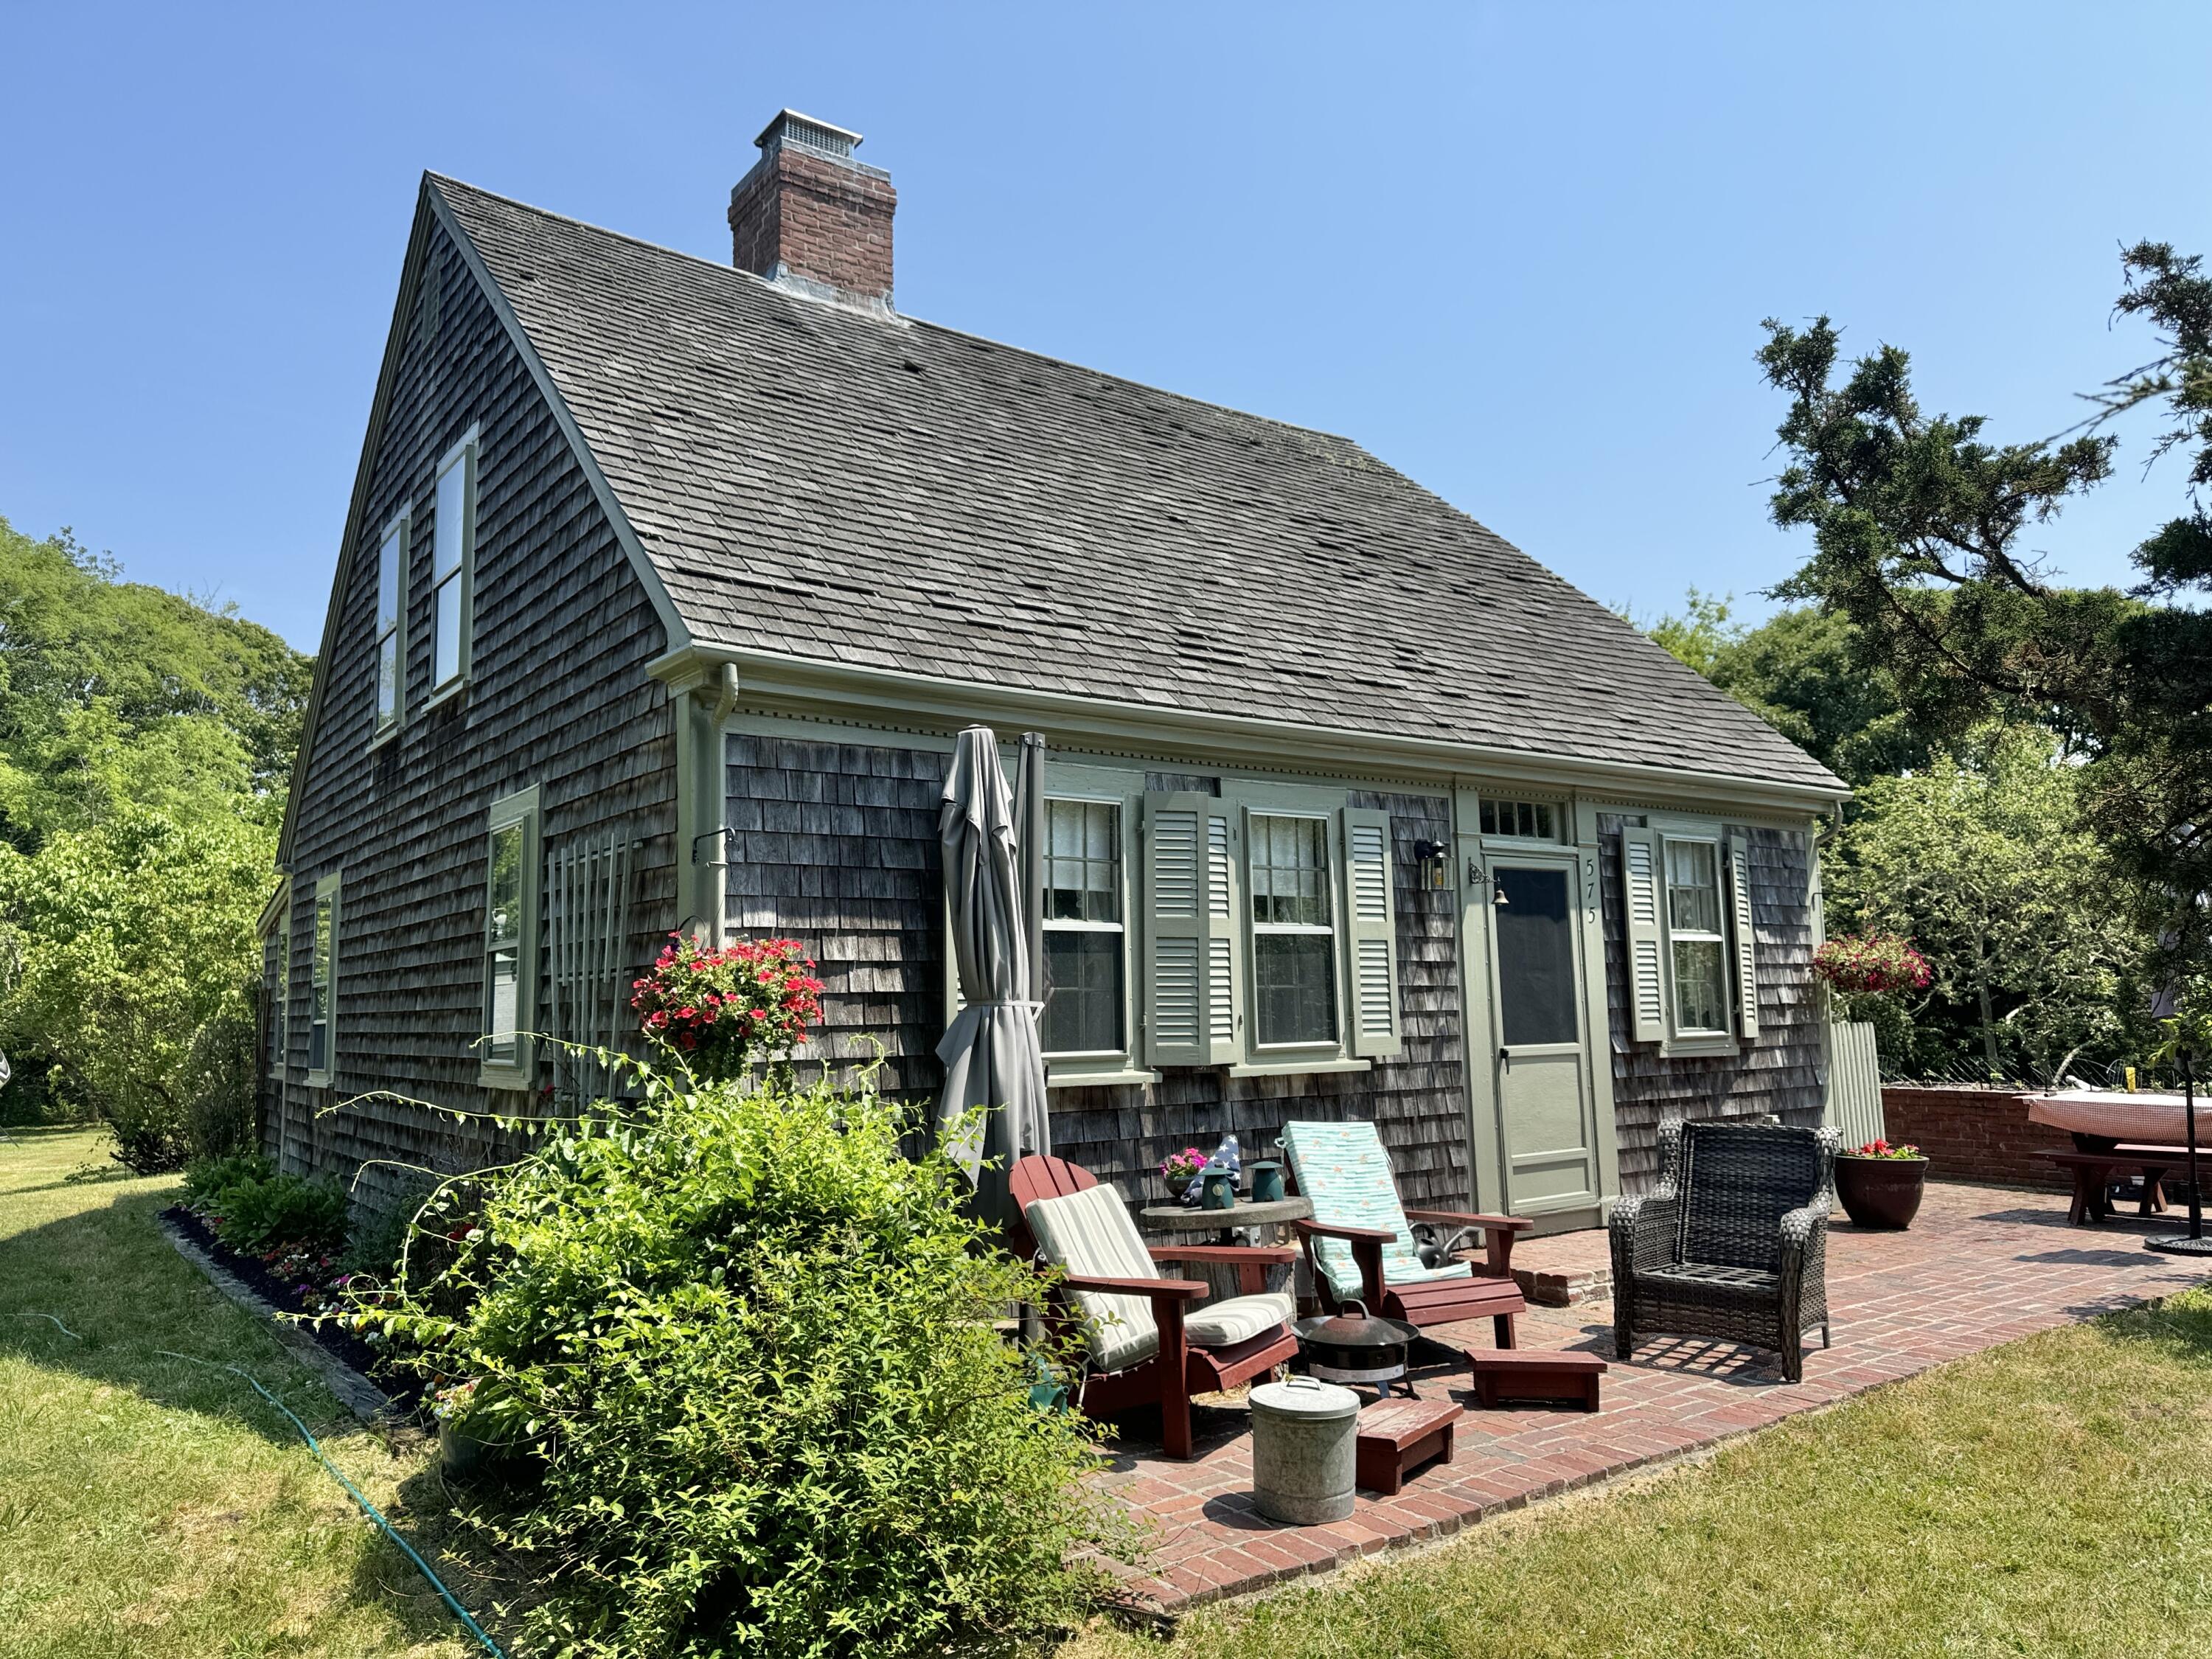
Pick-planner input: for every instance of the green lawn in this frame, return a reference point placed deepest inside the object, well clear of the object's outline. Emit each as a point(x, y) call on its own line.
point(151, 1507)
point(2053, 1497)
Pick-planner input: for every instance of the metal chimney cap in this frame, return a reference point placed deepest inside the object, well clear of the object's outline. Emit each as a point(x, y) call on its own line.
point(805, 131)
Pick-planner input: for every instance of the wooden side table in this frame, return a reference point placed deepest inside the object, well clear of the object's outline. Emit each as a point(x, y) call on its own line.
point(1397, 1437)
point(1258, 1224)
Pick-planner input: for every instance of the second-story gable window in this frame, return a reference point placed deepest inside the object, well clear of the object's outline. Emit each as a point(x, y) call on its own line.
point(453, 565)
point(390, 625)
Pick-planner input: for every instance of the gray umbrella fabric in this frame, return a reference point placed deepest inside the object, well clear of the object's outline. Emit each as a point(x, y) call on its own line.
point(991, 1052)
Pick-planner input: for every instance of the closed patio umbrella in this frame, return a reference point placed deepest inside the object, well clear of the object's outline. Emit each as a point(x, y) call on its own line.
point(991, 1052)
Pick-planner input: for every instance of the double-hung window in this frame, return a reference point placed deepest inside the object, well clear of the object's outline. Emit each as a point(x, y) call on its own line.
point(391, 626)
point(1293, 931)
point(1692, 959)
point(453, 565)
point(1698, 950)
point(510, 939)
point(322, 984)
point(280, 992)
point(1085, 949)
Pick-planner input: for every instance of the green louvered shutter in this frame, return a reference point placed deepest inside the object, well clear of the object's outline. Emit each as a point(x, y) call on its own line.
point(1176, 929)
point(1743, 956)
point(1225, 1006)
point(1371, 933)
point(1641, 897)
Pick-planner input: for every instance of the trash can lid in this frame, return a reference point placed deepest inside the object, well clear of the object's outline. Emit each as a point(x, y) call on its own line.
point(1306, 1398)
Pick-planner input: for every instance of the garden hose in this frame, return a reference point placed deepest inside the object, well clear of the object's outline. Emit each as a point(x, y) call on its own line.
point(337, 1473)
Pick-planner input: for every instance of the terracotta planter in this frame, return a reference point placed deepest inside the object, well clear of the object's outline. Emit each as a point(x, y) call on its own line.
point(1880, 1192)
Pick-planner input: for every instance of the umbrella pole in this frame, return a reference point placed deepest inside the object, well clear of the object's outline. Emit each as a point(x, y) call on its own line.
point(2192, 1242)
point(2188, 1105)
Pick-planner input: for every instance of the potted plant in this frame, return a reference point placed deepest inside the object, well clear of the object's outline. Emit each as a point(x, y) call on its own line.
point(1880, 1184)
point(1180, 1168)
point(716, 1012)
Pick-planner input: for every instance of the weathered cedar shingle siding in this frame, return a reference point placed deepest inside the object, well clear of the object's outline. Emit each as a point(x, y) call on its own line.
point(836, 845)
point(557, 697)
point(1780, 1073)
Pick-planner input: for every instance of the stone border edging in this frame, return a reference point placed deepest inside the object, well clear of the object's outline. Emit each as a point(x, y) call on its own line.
point(353, 1391)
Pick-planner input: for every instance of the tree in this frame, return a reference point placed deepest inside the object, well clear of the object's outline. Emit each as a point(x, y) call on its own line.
point(115, 695)
point(1802, 672)
point(1980, 860)
point(127, 952)
point(1916, 523)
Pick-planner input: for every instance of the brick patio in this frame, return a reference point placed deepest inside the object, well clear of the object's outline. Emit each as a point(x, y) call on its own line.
point(1981, 1266)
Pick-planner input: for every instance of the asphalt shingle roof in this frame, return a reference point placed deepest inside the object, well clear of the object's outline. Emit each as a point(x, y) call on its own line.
point(862, 489)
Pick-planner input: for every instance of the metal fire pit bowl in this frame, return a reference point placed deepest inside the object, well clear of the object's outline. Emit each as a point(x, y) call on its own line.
point(1353, 1346)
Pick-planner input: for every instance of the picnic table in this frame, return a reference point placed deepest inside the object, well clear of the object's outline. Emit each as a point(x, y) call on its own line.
point(2100, 1119)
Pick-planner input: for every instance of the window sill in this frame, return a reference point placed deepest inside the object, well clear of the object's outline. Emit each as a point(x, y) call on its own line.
point(1298, 1068)
point(445, 695)
point(518, 1078)
point(1076, 1074)
point(384, 737)
point(317, 1079)
point(1701, 1047)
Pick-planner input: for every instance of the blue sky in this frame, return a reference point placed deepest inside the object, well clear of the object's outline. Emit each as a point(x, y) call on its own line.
point(1520, 253)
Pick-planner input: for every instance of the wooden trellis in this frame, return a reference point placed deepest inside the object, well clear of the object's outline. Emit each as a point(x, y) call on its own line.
point(590, 894)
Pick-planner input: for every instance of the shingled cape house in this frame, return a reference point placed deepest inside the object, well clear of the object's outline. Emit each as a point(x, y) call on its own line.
point(665, 584)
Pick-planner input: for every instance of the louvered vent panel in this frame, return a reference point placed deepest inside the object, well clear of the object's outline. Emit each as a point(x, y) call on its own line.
point(1174, 864)
point(1217, 862)
point(1175, 991)
point(1378, 1011)
point(1647, 1005)
point(1371, 891)
point(1643, 885)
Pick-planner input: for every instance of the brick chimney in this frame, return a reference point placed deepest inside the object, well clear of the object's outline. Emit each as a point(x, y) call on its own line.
point(811, 217)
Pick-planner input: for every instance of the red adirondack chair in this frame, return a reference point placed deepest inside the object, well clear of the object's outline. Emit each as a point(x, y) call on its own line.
point(1360, 1183)
point(1202, 1353)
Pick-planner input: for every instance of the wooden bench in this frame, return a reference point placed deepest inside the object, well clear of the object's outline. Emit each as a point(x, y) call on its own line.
point(2092, 1174)
point(1397, 1437)
point(1535, 1376)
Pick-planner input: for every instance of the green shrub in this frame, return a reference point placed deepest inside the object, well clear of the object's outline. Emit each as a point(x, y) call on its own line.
point(755, 1347)
point(253, 1209)
point(206, 1178)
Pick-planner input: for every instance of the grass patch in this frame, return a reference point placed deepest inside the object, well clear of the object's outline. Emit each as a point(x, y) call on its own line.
point(150, 1507)
point(2053, 1496)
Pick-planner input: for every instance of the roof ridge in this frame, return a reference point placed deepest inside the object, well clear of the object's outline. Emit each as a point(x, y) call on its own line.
point(895, 317)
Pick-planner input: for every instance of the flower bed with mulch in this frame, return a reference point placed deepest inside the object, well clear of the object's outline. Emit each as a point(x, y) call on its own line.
point(305, 1294)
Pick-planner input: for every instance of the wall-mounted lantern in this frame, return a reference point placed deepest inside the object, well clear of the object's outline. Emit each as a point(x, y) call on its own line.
point(1433, 860)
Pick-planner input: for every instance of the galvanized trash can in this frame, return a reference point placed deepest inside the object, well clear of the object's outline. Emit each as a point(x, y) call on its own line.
point(1305, 1440)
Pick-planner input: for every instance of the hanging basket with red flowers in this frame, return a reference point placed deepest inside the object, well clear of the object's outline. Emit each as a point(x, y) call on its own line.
point(720, 1010)
point(1871, 962)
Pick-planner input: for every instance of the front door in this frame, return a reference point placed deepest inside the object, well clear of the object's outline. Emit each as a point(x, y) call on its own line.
point(1547, 1121)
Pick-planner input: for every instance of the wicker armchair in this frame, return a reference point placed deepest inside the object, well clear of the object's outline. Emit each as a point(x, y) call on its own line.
point(1733, 1243)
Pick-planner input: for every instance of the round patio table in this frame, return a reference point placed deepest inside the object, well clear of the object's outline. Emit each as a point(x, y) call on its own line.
point(1258, 1224)
point(1189, 1218)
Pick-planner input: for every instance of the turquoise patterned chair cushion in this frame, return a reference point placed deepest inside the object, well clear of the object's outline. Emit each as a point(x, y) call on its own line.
point(1343, 1170)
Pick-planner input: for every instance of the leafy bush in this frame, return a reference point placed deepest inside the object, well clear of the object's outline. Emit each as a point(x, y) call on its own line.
point(253, 1209)
point(126, 952)
point(755, 1346)
point(205, 1179)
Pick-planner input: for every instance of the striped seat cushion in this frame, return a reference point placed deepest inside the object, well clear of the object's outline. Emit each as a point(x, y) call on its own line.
point(1090, 1232)
point(1241, 1318)
point(1343, 1170)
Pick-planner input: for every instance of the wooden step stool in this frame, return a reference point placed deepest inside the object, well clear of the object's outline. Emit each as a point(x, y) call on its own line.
point(1533, 1375)
point(1397, 1437)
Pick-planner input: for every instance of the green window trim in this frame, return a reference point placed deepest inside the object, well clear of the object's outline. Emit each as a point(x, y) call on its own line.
point(1691, 943)
point(280, 997)
point(452, 567)
point(323, 959)
point(506, 1050)
point(388, 648)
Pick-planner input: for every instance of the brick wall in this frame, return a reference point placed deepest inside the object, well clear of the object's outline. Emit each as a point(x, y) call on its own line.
point(1976, 1134)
